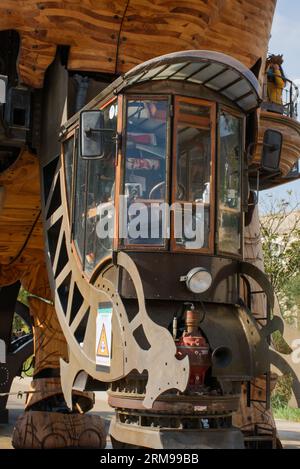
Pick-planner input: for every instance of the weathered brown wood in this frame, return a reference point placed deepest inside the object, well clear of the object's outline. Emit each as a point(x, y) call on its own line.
point(49, 387)
point(49, 342)
point(49, 430)
point(113, 36)
point(21, 208)
point(247, 418)
point(22, 255)
point(290, 130)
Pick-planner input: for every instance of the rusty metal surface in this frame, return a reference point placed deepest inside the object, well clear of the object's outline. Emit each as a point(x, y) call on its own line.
point(178, 404)
point(260, 277)
point(165, 371)
point(249, 350)
point(146, 279)
point(161, 271)
point(145, 437)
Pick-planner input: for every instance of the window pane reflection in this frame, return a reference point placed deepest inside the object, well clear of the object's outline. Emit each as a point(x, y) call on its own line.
point(68, 161)
point(193, 168)
point(79, 204)
point(100, 196)
point(145, 170)
point(230, 156)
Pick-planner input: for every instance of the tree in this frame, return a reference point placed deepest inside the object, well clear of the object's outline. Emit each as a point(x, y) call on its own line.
point(280, 231)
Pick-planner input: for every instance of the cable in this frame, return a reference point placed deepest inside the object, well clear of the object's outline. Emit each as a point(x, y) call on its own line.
point(119, 35)
point(204, 312)
point(26, 240)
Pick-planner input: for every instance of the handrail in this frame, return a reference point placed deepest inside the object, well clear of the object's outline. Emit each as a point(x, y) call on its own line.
point(290, 97)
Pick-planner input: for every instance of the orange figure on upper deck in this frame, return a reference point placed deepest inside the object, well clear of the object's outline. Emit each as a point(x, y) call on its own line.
point(275, 79)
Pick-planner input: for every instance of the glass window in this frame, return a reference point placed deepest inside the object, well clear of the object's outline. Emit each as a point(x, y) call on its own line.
point(229, 203)
point(100, 195)
point(79, 204)
point(145, 180)
point(68, 161)
point(193, 185)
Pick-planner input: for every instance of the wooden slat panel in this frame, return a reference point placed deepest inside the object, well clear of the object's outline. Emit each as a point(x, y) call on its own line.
point(290, 130)
point(21, 208)
point(240, 28)
point(113, 36)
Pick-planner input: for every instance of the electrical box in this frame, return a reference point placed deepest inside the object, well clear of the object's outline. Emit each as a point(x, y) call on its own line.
point(17, 109)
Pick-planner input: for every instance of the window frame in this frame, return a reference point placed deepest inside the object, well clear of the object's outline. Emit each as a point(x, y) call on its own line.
point(174, 247)
point(242, 117)
point(105, 259)
point(74, 132)
point(122, 161)
point(171, 175)
point(70, 203)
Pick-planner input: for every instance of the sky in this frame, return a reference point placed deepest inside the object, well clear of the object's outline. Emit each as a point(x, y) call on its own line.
point(285, 39)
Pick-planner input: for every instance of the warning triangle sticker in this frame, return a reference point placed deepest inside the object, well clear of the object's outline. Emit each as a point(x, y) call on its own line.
point(102, 349)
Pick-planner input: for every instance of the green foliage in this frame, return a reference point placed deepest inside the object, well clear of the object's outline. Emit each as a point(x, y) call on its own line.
point(280, 344)
point(291, 289)
point(280, 231)
point(287, 413)
point(282, 392)
point(28, 367)
point(19, 325)
point(23, 296)
point(281, 252)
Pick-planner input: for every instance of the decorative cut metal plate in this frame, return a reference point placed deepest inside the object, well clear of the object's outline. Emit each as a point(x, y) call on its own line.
point(76, 304)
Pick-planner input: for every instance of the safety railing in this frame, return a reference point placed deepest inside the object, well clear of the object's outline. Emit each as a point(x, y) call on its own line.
point(289, 97)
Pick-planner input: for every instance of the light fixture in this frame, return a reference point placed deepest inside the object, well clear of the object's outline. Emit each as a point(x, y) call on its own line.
point(198, 280)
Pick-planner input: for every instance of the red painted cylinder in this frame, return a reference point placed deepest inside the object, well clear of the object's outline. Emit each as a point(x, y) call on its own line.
point(194, 345)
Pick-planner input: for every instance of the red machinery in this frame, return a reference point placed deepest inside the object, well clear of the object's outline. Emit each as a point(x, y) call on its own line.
point(194, 345)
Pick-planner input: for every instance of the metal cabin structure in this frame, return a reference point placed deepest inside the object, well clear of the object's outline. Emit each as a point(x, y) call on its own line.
point(110, 115)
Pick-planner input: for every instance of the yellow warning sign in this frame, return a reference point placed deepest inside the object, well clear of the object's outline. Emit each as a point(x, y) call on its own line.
point(103, 342)
point(102, 349)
